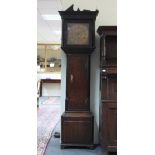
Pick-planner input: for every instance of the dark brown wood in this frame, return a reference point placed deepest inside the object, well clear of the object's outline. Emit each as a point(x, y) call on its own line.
point(77, 127)
point(38, 92)
point(48, 81)
point(108, 87)
point(107, 30)
point(88, 17)
point(78, 82)
point(109, 128)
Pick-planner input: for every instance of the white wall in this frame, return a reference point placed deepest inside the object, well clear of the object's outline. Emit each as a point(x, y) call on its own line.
point(50, 89)
point(48, 75)
point(107, 16)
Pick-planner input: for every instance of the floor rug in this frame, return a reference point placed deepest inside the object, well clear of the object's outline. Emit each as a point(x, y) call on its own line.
point(48, 115)
point(52, 100)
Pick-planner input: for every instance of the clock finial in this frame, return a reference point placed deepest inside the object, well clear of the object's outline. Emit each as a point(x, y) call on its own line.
point(70, 8)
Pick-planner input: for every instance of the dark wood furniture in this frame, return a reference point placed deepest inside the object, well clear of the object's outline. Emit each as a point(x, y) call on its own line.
point(42, 81)
point(77, 129)
point(108, 87)
point(78, 42)
point(38, 92)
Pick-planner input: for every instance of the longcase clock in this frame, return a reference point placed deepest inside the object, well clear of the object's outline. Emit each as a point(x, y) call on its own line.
point(78, 42)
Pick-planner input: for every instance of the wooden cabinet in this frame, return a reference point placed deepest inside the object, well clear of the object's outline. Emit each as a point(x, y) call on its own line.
point(108, 87)
point(78, 42)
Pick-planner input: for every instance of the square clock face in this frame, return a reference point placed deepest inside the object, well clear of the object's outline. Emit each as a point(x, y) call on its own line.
point(77, 33)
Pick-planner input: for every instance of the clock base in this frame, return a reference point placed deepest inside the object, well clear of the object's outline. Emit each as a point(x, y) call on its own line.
point(63, 146)
point(77, 129)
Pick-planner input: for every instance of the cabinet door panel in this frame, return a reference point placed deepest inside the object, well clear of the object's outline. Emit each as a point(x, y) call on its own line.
point(109, 88)
point(109, 121)
point(77, 132)
point(111, 47)
point(77, 82)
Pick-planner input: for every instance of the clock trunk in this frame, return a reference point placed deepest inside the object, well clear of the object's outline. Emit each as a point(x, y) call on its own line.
point(78, 82)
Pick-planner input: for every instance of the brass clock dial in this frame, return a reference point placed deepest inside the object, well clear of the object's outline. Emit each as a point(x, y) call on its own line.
point(77, 33)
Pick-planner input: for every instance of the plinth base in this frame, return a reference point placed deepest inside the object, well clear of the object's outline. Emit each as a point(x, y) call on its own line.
point(77, 129)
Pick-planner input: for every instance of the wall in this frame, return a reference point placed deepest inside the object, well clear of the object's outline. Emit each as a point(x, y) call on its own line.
point(107, 16)
point(50, 89)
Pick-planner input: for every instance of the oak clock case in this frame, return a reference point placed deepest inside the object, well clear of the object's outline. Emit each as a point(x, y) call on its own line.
point(78, 42)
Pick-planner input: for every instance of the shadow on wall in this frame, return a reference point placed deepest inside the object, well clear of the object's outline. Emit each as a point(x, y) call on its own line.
point(94, 88)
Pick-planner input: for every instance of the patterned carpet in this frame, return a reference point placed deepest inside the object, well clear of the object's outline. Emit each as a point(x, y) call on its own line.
point(51, 100)
point(48, 115)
